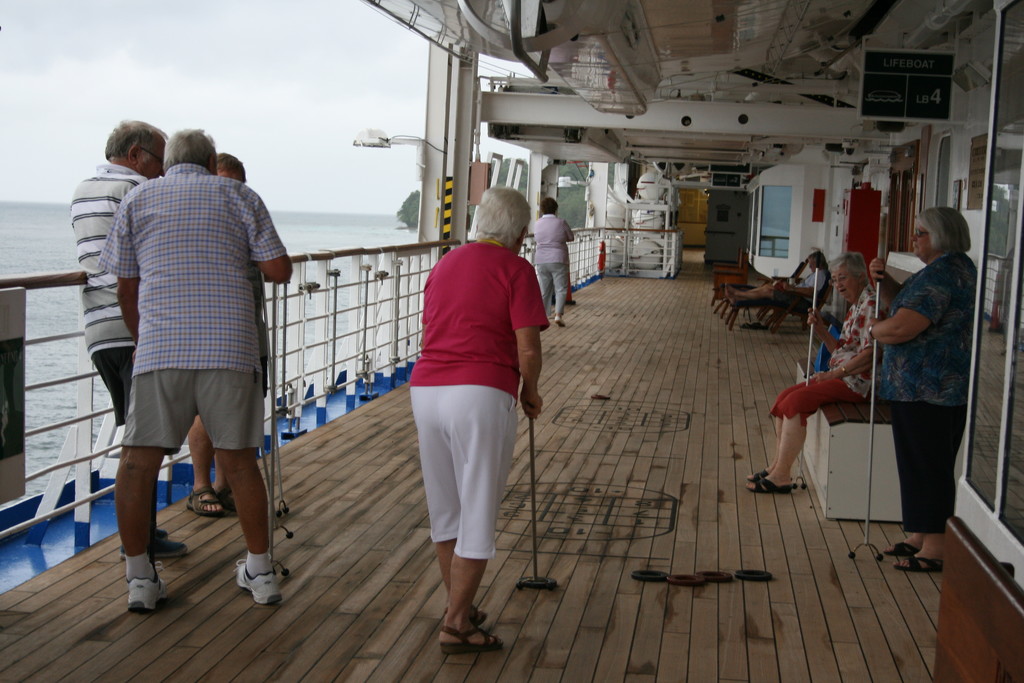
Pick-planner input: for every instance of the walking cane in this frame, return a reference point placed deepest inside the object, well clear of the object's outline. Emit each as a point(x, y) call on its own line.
point(535, 581)
point(807, 382)
point(871, 420)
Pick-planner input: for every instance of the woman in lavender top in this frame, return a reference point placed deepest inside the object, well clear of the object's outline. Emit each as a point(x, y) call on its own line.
point(552, 258)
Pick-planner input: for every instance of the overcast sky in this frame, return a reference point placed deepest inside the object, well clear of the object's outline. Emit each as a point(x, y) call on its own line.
point(284, 86)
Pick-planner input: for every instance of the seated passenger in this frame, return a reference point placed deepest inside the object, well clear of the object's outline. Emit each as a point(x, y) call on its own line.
point(847, 379)
point(782, 292)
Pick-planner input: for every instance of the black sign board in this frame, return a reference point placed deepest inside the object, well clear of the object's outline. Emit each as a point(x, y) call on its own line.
point(905, 85)
point(725, 180)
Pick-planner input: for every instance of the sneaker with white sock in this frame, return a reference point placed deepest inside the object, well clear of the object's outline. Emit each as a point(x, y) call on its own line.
point(263, 587)
point(144, 594)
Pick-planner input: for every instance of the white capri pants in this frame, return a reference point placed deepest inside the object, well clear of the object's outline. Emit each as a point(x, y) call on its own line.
point(467, 434)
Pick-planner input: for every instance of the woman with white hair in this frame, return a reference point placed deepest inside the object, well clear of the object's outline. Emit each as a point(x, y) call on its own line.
point(924, 376)
point(847, 379)
point(482, 318)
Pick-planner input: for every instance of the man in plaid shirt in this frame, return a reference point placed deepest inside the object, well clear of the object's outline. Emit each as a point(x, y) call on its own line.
point(179, 248)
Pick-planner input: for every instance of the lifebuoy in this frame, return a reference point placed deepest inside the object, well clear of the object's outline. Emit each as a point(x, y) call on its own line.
point(600, 257)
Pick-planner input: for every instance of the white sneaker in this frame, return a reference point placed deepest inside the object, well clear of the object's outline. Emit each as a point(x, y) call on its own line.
point(263, 587)
point(143, 594)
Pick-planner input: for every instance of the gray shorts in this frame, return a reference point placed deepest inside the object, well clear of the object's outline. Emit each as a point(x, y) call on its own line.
point(164, 404)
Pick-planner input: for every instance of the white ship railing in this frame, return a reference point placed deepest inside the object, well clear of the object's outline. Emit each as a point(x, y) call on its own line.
point(348, 321)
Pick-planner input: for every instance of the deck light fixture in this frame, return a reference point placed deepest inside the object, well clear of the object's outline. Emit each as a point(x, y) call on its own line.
point(375, 137)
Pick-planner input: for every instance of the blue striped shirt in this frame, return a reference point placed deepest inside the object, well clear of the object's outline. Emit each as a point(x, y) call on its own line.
point(189, 237)
point(92, 213)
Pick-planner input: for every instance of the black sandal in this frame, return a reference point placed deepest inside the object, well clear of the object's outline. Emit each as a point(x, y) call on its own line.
point(490, 642)
point(757, 476)
point(768, 486)
point(902, 550)
point(916, 563)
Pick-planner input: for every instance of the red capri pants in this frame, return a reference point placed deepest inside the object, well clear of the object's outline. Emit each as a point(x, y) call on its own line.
point(804, 400)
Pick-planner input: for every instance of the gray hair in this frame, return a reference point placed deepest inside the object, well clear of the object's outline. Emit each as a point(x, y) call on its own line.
point(128, 134)
point(189, 146)
point(947, 228)
point(502, 215)
point(854, 263)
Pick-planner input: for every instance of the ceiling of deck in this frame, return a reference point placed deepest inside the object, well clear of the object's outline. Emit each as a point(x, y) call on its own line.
point(643, 65)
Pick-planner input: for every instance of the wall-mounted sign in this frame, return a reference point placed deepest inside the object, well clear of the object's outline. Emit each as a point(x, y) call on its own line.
point(725, 180)
point(906, 85)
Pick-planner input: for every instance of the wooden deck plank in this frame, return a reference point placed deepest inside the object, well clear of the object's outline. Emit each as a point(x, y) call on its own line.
point(363, 600)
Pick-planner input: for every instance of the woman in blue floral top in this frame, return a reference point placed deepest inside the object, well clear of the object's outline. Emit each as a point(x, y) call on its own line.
point(924, 376)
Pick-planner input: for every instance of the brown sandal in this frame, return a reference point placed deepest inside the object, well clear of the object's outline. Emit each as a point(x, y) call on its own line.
point(476, 616)
point(227, 500)
point(200, 499)
point(490, 642)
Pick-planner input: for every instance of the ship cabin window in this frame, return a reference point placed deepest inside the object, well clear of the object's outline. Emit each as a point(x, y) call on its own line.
point(775, 213)
point(942, 174)
point(995, 466)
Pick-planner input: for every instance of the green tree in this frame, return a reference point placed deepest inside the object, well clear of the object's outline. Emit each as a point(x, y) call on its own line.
point(506, 169)
point(409, 214)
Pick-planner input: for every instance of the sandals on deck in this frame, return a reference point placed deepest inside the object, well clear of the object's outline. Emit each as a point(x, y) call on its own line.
point(902, 550)
point(757, 476)
point(476, 616)
point(227, 501)
point(768, 486)
point(915, 563)
point(464, 645)
point(198, 499)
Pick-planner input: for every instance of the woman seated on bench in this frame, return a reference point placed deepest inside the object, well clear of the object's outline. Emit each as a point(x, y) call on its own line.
point(847, 379)
point(782, 292)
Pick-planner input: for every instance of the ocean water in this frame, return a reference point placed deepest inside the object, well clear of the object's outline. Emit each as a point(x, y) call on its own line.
point(37, 238)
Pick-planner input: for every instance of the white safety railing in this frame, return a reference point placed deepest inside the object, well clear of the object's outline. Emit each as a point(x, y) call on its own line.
point(347, 322)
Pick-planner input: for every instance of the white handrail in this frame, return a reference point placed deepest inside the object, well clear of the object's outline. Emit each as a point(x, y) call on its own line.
point(318, 323)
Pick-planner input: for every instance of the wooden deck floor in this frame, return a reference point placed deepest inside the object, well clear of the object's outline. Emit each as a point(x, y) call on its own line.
point(652, 478)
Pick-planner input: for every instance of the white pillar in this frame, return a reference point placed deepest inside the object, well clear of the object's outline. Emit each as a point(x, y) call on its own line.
point(450, 129)
point(597, 196)
point(435, 152)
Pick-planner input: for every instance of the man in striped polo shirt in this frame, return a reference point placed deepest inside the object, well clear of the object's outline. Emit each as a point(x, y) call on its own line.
point(135, 154)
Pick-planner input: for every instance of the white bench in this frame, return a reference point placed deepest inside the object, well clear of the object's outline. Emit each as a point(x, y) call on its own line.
point(836, 461)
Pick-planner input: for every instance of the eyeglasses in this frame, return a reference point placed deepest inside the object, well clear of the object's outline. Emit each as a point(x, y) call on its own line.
point(919, 233)
point(152, 154)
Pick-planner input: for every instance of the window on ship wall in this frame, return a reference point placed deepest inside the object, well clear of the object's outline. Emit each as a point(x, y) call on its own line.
point(903, 192)
point(995, 465)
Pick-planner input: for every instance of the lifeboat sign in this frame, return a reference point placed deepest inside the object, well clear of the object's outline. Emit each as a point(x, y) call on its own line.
point(905, 85)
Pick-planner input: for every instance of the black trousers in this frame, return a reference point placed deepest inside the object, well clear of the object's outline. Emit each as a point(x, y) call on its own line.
point(927, 438)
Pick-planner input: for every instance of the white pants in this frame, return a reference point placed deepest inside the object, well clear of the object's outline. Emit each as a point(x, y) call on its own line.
point(467, 434)
point(556, 276)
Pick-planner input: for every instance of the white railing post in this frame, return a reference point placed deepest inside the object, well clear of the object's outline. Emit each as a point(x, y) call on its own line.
point(319, 355)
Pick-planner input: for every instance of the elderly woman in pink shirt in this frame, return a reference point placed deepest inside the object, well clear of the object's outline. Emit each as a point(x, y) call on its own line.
point(482, 317)
point(552, 258)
